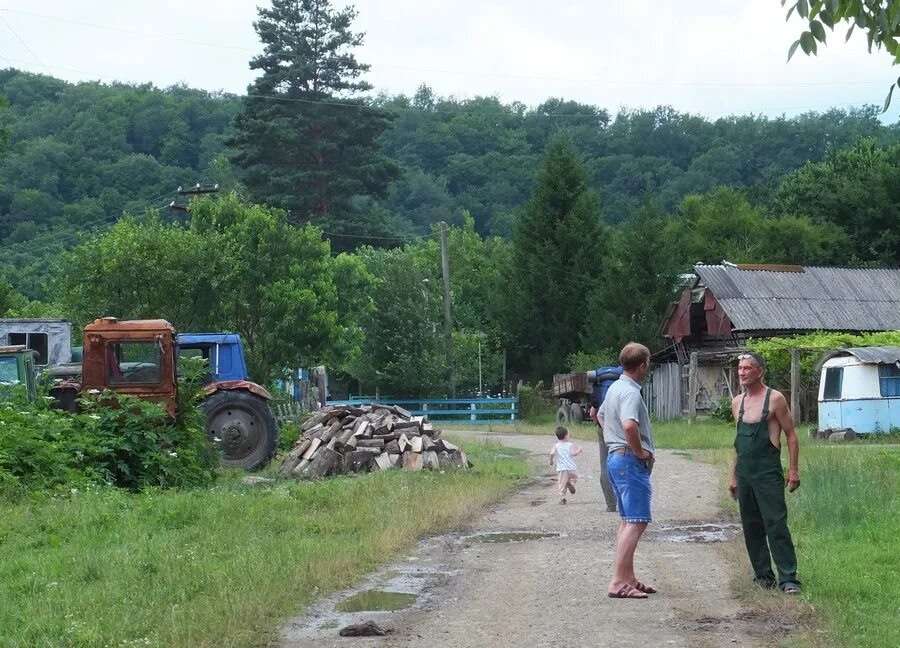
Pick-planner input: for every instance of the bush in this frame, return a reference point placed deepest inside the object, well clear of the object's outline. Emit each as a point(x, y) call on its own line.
point(535, 401)
point(722, 410)
point(116, 440)
point(287, 436)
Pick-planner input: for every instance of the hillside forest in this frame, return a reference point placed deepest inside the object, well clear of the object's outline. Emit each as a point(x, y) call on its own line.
point(306, 215)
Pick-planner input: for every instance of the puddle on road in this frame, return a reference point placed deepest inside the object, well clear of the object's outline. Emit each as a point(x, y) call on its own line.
point(510, 537)
point(697, 533)
point(376, 601)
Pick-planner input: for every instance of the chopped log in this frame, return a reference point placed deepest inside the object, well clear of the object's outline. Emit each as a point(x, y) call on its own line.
point(382, 461)
point(340, 412)
point(332, 443)
point(363, 429)
point(393, 436)
point(351, 442)
point(430, 460)
point(427, 428)
point(382, 411)
point(300, 467)
point(427, 443)
point(328, 462)
point(372, 450)
point(458, 458)
point(444, 460)
point(394, 457)
point(412, 461)
point(449, 447)
point(370, 443)
point(392, 447)
point(313, 431)
point(359, 461)
point(403, 425)
point(295, 456)
point(416, 444)
point(402, 412)
point(333, 429)
point(345, 436)
point(356, 411)
point(403, 442)
point(435, 434)
point(315, 419)
point(313, 446)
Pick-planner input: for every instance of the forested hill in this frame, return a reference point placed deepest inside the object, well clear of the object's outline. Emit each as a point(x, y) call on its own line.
point(78, 154)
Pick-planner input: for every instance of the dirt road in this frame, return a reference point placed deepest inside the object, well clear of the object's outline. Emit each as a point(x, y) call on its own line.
point(552, 591)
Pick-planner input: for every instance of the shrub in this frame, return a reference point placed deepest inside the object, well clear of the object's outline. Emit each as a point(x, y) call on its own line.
point(534, 401)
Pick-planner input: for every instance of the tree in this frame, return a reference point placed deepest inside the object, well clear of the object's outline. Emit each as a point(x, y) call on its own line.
point(304, 145)
point(854, 189)
point(238, 267)
point(557, 248)
point(879, 19)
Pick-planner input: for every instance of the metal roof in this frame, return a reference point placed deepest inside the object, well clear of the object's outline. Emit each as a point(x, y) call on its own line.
point(827, 299)
point(874, 355)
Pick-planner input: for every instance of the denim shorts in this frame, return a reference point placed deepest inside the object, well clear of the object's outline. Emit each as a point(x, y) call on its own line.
point(630, 480)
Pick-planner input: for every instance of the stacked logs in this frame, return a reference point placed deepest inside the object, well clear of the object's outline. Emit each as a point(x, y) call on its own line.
point(349, 439)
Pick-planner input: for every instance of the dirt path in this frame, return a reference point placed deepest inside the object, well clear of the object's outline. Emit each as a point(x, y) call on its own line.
point(553, 591)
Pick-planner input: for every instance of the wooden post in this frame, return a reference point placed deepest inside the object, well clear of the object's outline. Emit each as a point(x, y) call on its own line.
point(512, 406)
point(472, 415)
point(795, 384)
point(448, 327)
point(693, 387)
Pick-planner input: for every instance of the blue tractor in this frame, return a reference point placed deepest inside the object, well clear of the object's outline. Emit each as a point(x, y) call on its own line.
point(237, 409)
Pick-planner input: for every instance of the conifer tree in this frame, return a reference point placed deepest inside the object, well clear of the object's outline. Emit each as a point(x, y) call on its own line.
point(557, 256)
point(303, 141)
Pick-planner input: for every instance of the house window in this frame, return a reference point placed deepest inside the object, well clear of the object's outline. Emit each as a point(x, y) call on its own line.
point(35, 341)
point(133, 363)
point(889, 377)
point(834, 378)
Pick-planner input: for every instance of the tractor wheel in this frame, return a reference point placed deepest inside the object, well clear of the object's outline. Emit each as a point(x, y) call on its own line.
point(245, 427)
point(575, 414)
point(562, 414)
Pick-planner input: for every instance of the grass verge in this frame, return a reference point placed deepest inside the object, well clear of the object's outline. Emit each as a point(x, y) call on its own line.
point(217, 567)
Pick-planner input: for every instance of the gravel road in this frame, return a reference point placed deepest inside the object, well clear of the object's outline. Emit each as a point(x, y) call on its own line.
point(552, 591)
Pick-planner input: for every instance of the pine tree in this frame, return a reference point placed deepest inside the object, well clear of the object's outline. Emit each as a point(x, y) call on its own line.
point(303, 141)
point(557, 255)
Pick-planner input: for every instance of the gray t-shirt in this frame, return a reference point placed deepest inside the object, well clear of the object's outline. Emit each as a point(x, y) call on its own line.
point(623, 402)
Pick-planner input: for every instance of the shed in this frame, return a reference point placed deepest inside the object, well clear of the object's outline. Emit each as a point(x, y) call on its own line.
point(726, 304)
point(50, 338)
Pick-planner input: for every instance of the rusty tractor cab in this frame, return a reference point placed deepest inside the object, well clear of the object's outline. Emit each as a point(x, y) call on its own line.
point(131, 357)
point(140, 358)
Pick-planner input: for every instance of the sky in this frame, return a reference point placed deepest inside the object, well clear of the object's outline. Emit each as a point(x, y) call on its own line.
point(709, 57)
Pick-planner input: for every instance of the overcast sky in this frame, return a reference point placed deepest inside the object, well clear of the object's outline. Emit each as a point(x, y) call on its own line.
point(712, 57)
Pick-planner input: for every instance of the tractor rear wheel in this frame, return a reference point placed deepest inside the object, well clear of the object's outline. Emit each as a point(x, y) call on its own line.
point(244, 427)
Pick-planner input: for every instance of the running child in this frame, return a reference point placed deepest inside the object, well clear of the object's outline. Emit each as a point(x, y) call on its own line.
point(563, 457)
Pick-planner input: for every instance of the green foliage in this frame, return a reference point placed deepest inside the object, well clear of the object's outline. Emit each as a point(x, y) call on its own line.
point(587, 361)
point(722, 411)
point(557, 243)
point(534, 402)
point(302, 143)
point(777, 351)
point(288, 434)
point(117, 440)
point(879, 19)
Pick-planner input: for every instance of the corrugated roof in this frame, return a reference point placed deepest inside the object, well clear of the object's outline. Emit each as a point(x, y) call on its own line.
point(828, 299)
point(874, 355)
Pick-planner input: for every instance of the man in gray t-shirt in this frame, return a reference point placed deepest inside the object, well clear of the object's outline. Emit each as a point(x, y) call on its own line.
point(627, 433)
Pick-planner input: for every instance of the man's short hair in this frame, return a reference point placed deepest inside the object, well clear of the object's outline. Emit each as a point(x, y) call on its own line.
point(561, 432)
point(633, 355)
point(750, 355)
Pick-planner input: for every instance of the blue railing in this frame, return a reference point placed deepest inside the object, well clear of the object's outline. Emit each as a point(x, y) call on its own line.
point(462, 411)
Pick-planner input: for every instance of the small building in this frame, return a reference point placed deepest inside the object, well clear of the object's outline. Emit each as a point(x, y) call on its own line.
point(860, 390)
point(725, 305)
point(51, 339)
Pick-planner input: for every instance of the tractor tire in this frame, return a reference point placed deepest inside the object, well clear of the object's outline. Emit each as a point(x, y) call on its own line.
point(575, 413)
point(562, 414)
point(245, 427)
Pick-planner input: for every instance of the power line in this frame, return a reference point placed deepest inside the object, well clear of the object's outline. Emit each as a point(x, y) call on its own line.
point(714, 84)
point(24, 44)
point(486, 113)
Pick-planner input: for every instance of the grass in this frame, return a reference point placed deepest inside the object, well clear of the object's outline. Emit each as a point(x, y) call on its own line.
point(217, 567)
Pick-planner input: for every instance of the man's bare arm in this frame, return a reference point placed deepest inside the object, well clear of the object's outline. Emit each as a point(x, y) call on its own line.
point(786, 421)
point(732, 487)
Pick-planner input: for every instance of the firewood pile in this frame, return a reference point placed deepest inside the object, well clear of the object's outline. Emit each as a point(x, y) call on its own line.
point(349, 439)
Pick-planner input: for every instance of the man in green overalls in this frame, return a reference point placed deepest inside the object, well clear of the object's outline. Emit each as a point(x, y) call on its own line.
point(757, 479)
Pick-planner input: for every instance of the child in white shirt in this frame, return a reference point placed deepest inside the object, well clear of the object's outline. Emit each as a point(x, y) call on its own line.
point(562, 456)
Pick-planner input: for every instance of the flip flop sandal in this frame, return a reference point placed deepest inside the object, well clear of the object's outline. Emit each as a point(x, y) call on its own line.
point(627, 592)
point(646, 589)
point(790, 588)
point(571, 488)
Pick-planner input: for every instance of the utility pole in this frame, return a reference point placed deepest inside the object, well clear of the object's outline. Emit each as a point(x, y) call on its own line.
point(448, 327)
point(196, 190)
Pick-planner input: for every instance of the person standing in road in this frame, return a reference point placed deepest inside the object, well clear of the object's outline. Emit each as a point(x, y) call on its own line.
point(608, 493)
point(629, 438)
point(757, 477)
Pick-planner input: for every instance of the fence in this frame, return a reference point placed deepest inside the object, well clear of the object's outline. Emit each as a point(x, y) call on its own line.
point(463, 411)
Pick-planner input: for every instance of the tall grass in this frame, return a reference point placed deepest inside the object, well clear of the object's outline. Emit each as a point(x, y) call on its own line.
point(216, 567)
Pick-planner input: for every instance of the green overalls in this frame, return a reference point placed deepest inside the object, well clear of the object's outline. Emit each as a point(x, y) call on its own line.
point(760, 493)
